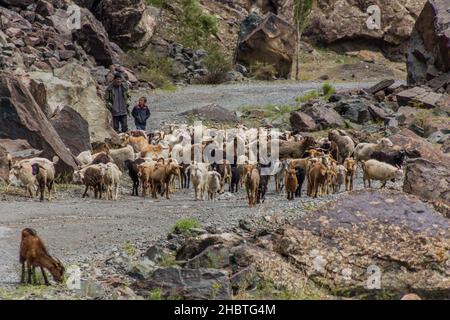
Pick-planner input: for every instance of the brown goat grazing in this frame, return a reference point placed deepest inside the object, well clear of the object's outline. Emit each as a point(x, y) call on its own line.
point(34, 254)
point(162, 176)
point(291, 184)
point(251, 180)
point(350, 165)
point(317, 180)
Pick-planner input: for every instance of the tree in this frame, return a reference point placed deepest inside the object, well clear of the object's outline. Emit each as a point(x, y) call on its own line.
point(302, 13)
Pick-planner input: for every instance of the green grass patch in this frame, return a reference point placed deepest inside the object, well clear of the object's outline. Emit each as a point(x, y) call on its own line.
point(325, 92)
point(185, 226)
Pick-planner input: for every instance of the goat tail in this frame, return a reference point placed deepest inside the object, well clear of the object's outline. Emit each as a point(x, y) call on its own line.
point(55, 160)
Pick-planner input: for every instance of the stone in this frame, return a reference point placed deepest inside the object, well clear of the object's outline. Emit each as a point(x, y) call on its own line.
point(428, 180)
point(214, 257)
point(272, 41)
point(324, 116)
point(188, 284)
point(142, 269)
point(381, 86)
point(19, 148)
point(212, 112)
point(73, 86)
point(69, 124)
point(22, 118)
point(4, 164)
point(417, 147)
point(355, 110)
point(301, 122)
point(429, 47)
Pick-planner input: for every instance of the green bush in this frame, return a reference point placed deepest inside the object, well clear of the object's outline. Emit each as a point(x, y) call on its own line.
point(184, 226)
point(263, 71)
point(328, 90)
point(218, 65)
point(308, 96)
point(156, 3)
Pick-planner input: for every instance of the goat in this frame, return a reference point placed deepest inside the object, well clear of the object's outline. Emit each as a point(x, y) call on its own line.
point(395, 158)
point(301, 175)
point(364, 151)
point(291, 184)
point(133, 172)
point(98, 147)
point(112, 181)
point(102, 157)
point(345, 145)
point(235, 179)
point(34, 254)
point(144, 172)
point(251, 181)
point(262, 188)
point(119, 156)
point(94, 177)
point(43, 181)
point(162, 177)
point(199, 172)
point(317, 179)
point(350, 166)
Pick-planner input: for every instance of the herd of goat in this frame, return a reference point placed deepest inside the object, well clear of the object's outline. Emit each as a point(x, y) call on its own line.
point(156, 163)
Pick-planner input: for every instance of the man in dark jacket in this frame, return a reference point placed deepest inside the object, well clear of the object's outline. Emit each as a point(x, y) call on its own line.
point(117, 102)
point(141, 113)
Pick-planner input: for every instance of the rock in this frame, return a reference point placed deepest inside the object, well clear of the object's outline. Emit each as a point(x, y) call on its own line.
point(188, 284)
point(22, 118)
point(429, 47)
point(73, 86)
point(362, 242)
point(142, 269)
point(411, 296)
point(245, 279)
point(428, 180)
point(130, 23)
point(324, 116)
point(406, 116)
point(94, 39)
point(214, 257)
point(377, 113)
point(301, 122)
point(196, 245)
point(446, 147)
point(381, 86)
point(343, 25)
point(156, 253)
point(417, 147)
point(19, 149)
point(4, 164)
point(272, 41)
point(355, 110)
point(91, 289)
point(68, 123)
point(424, 98)
point(213, 113)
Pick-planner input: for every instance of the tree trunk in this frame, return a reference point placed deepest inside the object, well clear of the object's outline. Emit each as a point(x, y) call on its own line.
point(297, 67)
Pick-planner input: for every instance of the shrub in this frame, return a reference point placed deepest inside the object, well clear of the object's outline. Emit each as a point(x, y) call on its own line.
point(157, 3)
point(328, 90)
point(185, 226)
point(218, 66)
point(263, 71)
point(308, 96)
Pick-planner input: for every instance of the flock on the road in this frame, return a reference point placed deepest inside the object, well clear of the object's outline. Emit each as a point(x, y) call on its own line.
point(173, 159)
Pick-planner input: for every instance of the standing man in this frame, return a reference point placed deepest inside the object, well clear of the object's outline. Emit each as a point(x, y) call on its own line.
point(117, 102)
point(141, 113)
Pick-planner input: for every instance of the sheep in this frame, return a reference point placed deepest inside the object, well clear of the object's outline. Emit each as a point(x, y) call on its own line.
point(199, 172)
point(345, 145)
point(251, 181)
point(162, 176)
point(235, 179)
point(43, 181)
point(364, 151)
point(119, 156)
point(112, 181)
point(85, 158)
point(213, 184)
point(101, 157)
point(34, 254)
point(395, 158)
point(291, 184)
point(317, 177)
point(350, 166)
point(94, 177)
point(376, 170)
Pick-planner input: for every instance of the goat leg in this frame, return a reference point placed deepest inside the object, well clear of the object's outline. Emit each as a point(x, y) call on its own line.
point(45, 277)
point(22, 276)
point(29, 273)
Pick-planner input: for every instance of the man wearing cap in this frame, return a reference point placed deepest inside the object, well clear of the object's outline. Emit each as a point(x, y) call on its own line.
point(117, 102)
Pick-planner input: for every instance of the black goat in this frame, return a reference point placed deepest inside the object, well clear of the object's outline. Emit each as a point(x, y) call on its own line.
point(395, 158)
point(300, 178)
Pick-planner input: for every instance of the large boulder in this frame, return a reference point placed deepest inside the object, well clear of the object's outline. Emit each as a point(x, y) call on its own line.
point(69, 124)
point(19, 149)
point(130, 23)
point(188, 284)
point(429, 48)
point(301, 122)
point(271, 40)
point(428, 180)
point(417, 147)
point(22, 118)
point(342, 25)
point(372, 240)
point(73, 86)
point(93, 37)
point(324, 116)
point(4, 164)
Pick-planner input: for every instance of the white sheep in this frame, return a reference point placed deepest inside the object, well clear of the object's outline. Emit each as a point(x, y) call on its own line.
point(376, 170)
point(363, 151)
point(199, 172)
point(213, 184)
point(121, 155)
point(85, 158)
point(112, 181)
